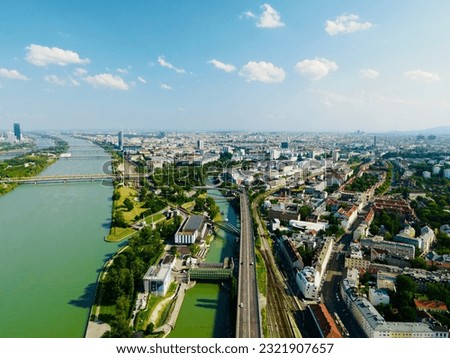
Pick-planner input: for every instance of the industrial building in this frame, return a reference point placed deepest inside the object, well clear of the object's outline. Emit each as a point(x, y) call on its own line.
point(191, 230)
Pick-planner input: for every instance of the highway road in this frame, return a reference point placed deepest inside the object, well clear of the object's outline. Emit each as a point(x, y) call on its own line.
point(248, 323)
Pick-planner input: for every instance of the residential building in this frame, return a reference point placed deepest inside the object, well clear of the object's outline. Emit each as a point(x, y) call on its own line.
point(447, 173)
point(423, 242)
point(308, 282)
point(285, 212)
point(378, 296)
point(404, 250)
point(290, 253)
point(309, 279)
point(320, 323)
point(375, 326)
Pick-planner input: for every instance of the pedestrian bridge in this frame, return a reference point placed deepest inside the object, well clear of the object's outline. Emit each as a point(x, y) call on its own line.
point(226, 226)
point(210, 274)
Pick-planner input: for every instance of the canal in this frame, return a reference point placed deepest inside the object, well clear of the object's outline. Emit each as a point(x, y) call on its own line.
point(206, 310)
point(52, 248)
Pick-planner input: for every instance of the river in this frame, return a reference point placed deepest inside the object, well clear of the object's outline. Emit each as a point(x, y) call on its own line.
point(205, 312)
point(40, 143)
point(52, 248)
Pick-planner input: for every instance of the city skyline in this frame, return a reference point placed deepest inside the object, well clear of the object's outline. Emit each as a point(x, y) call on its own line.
point(253, 66)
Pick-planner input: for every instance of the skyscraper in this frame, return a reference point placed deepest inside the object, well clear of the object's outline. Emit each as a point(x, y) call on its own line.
point(120, 140)
point(200, 144)
point(17, 131)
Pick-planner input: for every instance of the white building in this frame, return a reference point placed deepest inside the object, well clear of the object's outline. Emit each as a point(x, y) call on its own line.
point(348, 216)
point(308, 281)
point(360, 232)
point(426, 174)
point(423, 242)
point(447, 173)
point(190, 230)
point(157, 279)
point(375, 326)
point(306, 225)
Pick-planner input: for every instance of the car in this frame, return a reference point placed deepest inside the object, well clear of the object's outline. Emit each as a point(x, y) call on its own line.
point(241, 304)
point(251, 263)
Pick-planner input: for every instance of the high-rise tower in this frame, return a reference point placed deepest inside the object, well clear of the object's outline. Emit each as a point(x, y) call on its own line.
point(17, 131)
point(120, 140)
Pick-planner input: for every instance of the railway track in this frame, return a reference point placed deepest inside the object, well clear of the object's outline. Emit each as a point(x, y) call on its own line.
point(278, 307)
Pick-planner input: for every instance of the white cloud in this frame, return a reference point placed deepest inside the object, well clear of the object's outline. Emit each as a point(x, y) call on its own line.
point(247, 15)
point(263, 72)
point(162, 61)
point(270, 18)
point(55, 80)
point(166, 87)
point(330, 99)
point(140, 79)
point(346, 24)
point(79, 72)
point(122, 70)
point(107, 80)
point(422, 76)
point(12, 74)
point(369, 73)
point(317, 68)
point(222, 66)
point(43, 56)
point(74, 82)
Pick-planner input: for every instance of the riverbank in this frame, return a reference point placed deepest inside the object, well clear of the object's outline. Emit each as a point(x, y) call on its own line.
point(29, 165)
point(68, 221)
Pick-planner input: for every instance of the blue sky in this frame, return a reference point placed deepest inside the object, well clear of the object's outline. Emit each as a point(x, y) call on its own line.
point(225, 65)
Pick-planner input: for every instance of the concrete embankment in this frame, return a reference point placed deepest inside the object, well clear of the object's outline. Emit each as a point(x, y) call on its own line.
point(172, 319)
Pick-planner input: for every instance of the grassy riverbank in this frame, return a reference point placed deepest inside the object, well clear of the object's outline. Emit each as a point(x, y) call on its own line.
point(29, 164)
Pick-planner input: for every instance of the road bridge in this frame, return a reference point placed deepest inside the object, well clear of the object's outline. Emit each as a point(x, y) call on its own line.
point(51, 179)
point(248, 320)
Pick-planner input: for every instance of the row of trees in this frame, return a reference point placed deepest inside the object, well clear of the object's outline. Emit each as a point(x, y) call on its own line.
point(390, 221)
point(207, 204)
point(363, 183)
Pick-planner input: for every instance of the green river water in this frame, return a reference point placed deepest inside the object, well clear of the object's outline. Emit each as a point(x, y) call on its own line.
point(205, 312)
point(52, 249)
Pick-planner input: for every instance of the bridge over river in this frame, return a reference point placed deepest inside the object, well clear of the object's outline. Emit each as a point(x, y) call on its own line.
point(68, 178)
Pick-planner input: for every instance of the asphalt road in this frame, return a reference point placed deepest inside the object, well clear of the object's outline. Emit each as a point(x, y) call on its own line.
point(248, 323)
point(331, 296)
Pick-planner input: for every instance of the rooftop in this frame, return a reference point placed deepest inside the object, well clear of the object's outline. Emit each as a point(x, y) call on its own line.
point(194, 222)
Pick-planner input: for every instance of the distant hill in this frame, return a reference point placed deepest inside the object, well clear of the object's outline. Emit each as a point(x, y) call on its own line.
point(443, 130)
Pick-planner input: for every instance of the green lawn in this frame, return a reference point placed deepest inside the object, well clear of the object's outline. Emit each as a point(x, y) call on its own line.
point(131, 193)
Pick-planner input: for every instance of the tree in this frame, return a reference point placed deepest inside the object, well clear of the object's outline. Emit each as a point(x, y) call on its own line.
point(116, 195)
point(128, 204)
point(118, 220)
point(405, 283)
point(419, 262)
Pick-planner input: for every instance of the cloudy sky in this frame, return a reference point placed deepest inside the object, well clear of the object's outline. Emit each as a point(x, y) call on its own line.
point(225, 65)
